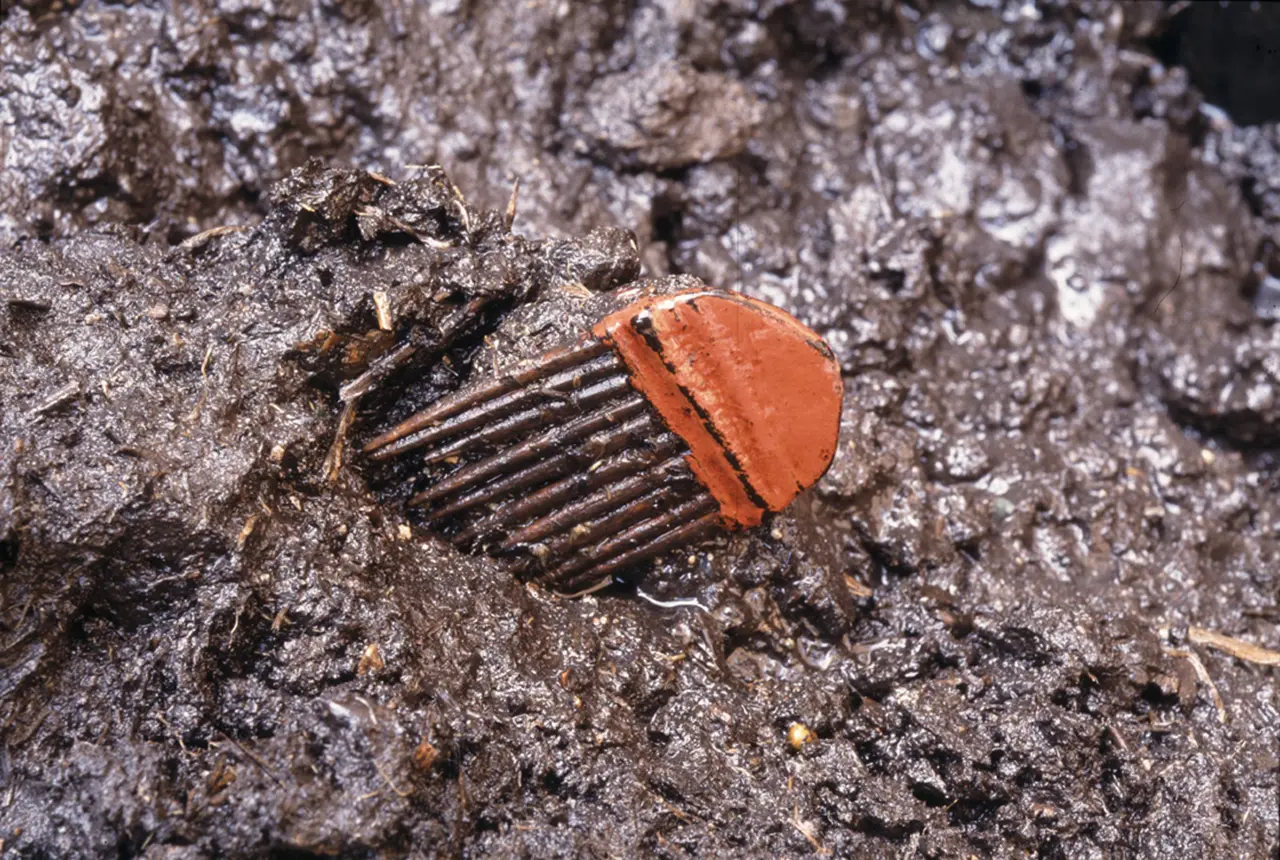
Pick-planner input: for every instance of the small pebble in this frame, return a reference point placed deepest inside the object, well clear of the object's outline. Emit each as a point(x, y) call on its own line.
point(425, 755)
point(965, 459)
point(800, 735)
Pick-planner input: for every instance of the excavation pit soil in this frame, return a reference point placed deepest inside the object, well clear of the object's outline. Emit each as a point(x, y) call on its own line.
point(1031, 609)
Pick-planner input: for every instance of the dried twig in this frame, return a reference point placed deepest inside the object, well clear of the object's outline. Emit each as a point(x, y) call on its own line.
point(382, 773)
point(203, 238)
point(807, 832)
point(253, 758)
point(510, 217)
point(1237, 648)
point(382, 304)
point(61, 397)
point(246, 530)
point(333, 460)
point(1203, 674)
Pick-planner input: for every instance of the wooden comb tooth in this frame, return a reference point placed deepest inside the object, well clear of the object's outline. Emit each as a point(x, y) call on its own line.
point(605, 499)
point(528, 420)
point(576, 485)
point(634, 537)
point(681, 536)
point(549, 441)
point(385, 365)
point(448, 419)
point(517, 377)
point(577, 458)
point(549, 552)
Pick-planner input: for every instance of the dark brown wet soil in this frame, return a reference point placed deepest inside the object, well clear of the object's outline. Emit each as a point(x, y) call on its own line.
point(996, 627)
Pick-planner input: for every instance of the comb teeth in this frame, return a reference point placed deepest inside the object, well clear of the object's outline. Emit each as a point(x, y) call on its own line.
point(505, 462)
point(604, 500)
point(450, 418)
point(647, 538)
point(588, 534)
point(575, 484)
point(384, 366)
point(562, 466)
point(579, 458)
point(509, 426)
point(686, 533)
point(521, 375)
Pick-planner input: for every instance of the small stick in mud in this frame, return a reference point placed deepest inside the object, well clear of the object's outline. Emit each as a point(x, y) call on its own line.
point(201, 239)
point(387, 779)
point(58, 399)
point(333, 459)
point(253, 758)
point(1237, 648)
point(1203, 674)
point(509, 217)
point(806, 830)
point(382, 305)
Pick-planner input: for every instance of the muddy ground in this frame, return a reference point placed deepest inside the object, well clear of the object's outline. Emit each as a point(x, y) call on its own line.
point(1050, 272)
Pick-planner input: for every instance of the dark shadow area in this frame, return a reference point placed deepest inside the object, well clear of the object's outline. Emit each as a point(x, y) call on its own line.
point(1232, 53)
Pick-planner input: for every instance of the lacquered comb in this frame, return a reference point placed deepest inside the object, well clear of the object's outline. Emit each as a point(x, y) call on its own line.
point(676, 417)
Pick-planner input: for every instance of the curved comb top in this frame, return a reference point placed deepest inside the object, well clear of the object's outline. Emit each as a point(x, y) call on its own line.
point(755, 394)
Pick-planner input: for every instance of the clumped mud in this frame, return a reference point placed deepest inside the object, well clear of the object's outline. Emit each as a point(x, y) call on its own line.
point(998, 625)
